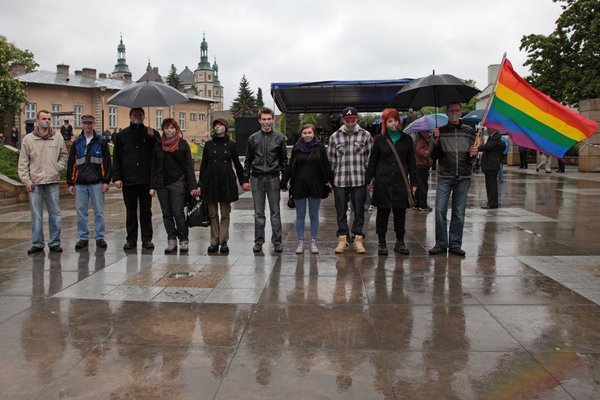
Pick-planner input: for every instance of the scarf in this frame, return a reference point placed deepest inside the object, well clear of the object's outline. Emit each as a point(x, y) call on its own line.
point(394, 135)
point(170, 145)
point(39, 134)
point(305, 147)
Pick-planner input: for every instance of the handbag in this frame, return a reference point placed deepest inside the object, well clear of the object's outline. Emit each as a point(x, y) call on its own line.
point(409, 192)
point(291, 202)
point(197, 212)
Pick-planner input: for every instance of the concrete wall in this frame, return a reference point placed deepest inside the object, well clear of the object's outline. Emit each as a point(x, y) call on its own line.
point(589, 156)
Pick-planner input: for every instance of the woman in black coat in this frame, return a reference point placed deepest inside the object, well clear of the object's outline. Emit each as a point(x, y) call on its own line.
point(491, 159)
point(386, 181)
point(310, 176)
point(172, 178)
point(217, 183)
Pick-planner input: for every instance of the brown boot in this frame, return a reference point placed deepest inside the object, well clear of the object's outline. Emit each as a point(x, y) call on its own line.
point(358, 245)
point(342, 244)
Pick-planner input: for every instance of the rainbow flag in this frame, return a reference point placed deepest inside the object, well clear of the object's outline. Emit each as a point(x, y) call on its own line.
point(533, 119)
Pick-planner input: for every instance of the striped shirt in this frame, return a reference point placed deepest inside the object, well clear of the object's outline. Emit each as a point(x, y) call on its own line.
point(349, 155)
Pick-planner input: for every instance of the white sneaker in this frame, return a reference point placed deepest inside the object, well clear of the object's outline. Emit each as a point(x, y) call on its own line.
point(300, 248)
point(313, 246)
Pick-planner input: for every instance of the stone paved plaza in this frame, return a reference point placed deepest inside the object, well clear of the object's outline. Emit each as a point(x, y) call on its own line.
point(517, 318)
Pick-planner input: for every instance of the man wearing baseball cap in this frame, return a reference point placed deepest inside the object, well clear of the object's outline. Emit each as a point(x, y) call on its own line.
point(349, 150)
point(88, 176)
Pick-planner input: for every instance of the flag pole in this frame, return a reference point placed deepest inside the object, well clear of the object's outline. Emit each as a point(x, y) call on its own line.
point(489, 101)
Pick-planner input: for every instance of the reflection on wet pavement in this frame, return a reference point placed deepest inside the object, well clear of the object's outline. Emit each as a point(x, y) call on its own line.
point(518, 317)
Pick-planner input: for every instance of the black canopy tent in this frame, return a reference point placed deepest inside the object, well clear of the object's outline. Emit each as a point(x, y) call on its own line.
point(334, 96)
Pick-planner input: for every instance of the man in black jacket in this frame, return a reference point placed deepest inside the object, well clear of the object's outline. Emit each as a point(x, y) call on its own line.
point(88, 176)
point(454, 149)
point(490, 164)
point(266, 158)
point(132, 167)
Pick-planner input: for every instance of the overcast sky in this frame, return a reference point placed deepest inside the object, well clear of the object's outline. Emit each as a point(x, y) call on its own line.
point(282, 41)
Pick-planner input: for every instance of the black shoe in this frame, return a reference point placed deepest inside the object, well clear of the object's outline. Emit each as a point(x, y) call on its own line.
point(213, 248)
point(382, 249)
point(35, 249)
point(129, 246)
point(100, 243)
point(401, 249)
point(224, 248)
point(257, 247)
point(148, 245)
point(436, 250)
point(278, 247)
point(457, 251)
point(56, 249)
point(488, 207)
point(81, 244)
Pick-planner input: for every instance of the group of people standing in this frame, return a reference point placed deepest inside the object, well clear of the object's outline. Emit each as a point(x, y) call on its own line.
point(147, 164)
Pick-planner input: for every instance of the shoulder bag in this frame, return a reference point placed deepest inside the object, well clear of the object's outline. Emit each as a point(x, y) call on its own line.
point(409, 193)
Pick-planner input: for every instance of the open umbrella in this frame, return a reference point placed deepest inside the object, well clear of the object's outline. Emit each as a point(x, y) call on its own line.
point(147, 94)
point(434, 90)
point(426, 123)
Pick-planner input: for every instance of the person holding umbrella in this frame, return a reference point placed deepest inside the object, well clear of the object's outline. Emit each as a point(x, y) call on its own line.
point(132, 162)
point(454, 149)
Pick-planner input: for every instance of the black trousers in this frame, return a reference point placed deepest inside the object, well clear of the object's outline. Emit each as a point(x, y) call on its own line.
point(491, 187)
point(523, 158)
point(381, 223)
point(422, 187)
point(357, 195)
point(132, 195)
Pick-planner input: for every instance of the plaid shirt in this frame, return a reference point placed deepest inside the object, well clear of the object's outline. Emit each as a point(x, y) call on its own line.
point(349, 156)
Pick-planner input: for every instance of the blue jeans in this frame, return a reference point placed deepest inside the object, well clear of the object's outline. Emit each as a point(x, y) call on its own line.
point(459, 189)
point(266, 186)
point(172, 201)
point(313, 214)
point(49, 194)
point(84, 194)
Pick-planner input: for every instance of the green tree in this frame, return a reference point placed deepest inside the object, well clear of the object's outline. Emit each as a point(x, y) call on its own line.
point(259, 99)
point(244, 104)
point(12, 92)
point(564, 64)
point(173, 79)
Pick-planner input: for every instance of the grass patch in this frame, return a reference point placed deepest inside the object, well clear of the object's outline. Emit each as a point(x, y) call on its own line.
point(8, 163)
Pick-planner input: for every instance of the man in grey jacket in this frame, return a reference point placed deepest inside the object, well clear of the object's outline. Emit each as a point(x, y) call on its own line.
point(43, 155)
point(266, 158)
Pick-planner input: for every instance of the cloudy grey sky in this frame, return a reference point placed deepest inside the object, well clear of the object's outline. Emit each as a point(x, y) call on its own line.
point(282, 41)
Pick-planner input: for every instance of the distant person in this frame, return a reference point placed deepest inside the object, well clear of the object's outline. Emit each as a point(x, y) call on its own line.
point(43, 155)
point(106, 135)
point(173, 179)
point(266, 159)
point(310, 180)
point(561, 165)
point(545, 161)
point(66, 131)
point(455, 151)
point(14, 136)
point(348, 152)
point(217, 183)
point(88, 177)
point(423, 163)
point(491, 159)
point(391, 182)
point(523, 151)
point(506, 142)
point(132, 161)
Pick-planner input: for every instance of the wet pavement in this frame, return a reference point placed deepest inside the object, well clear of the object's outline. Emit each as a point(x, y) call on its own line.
point(517, 318)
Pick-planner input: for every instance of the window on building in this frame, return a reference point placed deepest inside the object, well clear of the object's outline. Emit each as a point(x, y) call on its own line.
point(200, 93)
point(182, 121)
point(159, 118)
point(30, 110)
point(208, 77)
point(192, 116)
point(202, 116)
point(209, 93)
point(78, 110)
point(56, 108)
point(112, 117)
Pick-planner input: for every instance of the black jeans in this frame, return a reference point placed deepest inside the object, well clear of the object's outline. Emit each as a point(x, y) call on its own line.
point(381, 223)
point(132, 195)
point(172, 201)
point(491, 187)
point(357, 195)
point(422, 187)
point(523, 158)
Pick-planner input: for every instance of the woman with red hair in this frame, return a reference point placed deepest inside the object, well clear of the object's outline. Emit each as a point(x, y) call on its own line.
point(390, 181)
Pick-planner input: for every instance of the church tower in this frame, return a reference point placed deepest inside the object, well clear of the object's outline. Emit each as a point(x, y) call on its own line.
point(204, 74)
point(217, 88)
point(121, 68)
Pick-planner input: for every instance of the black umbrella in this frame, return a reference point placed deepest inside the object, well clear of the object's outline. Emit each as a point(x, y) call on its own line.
point(434, 90)
point(146, 94)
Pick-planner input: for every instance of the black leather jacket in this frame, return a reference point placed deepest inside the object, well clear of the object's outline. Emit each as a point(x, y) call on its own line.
point(452, 151)
point(266, 154)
